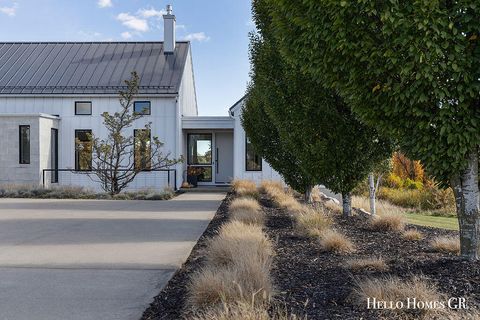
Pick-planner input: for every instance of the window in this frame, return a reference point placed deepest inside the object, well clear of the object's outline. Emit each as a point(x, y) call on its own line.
point(142, 153)
point(83, 150)
point(253, 161)
point(141, 107)
point(83, 108)
point(199, 156)
point(24, 144)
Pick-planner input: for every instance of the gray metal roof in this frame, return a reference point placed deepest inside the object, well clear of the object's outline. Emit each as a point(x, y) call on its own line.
point(89, 67)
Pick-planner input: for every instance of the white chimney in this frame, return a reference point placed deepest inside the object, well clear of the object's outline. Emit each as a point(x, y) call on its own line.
point(169, 31)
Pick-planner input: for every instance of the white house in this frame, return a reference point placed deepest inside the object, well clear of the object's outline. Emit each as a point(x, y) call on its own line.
point(52, 94)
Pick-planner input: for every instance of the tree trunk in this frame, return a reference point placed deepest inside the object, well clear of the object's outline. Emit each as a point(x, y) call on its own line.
point(372, 190)
point(308, 194)
point(347, 204)
point(467, 200)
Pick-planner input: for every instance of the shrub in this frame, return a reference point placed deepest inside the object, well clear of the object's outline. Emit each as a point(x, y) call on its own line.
point(370, 264)
point(395, 289)
point(388, 222)
point(333, 241)
point(311, 222)
point(446, 244)
point(412, 235)
point(246, 280)
point(245, 188)
point(236, 241)
point(394, 181)
point(332, 207)
point(413, 185)
point(247, 210)
point(400, 197)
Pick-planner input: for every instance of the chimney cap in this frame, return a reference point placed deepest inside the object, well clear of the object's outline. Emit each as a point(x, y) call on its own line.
point(169, 9)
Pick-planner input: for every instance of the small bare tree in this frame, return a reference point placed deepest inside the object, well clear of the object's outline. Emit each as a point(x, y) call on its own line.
point(121, 156)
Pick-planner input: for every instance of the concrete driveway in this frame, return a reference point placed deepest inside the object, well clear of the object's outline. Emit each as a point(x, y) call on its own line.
point(94, 259)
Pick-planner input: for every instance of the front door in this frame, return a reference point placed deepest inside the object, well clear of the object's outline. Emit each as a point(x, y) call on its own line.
point(199, 157)
point(223, 157)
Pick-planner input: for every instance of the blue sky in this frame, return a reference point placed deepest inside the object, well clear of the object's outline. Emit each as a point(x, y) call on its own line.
point(218, 30)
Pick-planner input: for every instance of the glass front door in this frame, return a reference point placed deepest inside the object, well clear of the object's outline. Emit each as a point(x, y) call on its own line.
point(199, 156)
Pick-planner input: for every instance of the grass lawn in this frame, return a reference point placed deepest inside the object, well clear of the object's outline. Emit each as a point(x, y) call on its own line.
point(450, 223)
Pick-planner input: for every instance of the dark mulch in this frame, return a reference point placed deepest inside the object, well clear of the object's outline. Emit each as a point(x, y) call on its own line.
point(317, 284)
point(169, 304)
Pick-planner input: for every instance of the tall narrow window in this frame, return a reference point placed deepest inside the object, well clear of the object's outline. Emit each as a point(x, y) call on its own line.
point(253, 161)
point(142, 152)
point(83, 108)
point(83, 150)
point(142, 107)
point(54, 155)
point(24, 144)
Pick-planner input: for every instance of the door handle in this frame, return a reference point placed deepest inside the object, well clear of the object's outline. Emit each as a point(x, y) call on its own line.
point(216, 161)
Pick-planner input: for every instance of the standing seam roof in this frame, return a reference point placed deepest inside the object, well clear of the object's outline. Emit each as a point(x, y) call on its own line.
point(89, 67)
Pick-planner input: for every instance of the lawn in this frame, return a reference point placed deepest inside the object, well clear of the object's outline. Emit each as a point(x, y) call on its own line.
point(450, 223)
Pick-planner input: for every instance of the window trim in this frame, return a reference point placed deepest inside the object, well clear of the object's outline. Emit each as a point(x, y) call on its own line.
point(246, 159)
point(83, 114)
point(134, 143)
point(77, 164)
point(20, 145)
point(149, 107)
point(188, 148)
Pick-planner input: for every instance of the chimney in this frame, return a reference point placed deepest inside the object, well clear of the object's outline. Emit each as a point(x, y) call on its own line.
point(169, 31)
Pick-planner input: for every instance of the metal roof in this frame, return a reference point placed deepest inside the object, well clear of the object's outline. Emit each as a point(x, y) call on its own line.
point(89, 67)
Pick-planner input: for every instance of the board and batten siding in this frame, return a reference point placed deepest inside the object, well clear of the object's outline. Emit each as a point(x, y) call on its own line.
point(164, 119)
point(239, 140)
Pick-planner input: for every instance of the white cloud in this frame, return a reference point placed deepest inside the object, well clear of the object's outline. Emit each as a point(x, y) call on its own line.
point(10, 11)
point(133, 22)
point(198, 36)
point(126, 35)
point(151, 13)
point(105, 3)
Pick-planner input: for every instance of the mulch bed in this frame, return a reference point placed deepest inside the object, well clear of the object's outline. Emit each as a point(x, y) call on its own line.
point(169, 304)
point(317, 284)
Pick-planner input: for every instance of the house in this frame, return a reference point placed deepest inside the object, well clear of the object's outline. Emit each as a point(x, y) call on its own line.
point(53, 94)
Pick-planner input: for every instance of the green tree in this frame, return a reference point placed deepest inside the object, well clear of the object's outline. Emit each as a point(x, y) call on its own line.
point(121, 156)
point(315, 124)
point(265, 139)
point(411, 69)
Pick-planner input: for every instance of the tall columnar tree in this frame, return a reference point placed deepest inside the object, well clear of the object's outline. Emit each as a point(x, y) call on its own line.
point(411, 69)
point(265, 138)
point(314, 123)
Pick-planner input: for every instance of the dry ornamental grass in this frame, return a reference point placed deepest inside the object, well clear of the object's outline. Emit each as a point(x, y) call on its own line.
point(247, 210)
point(311, 222)
point(236, 241)
point(446, 244)
point(370, 264)
point(245, 188)
point(412, 235)
point(388, 222)
point(334, 241)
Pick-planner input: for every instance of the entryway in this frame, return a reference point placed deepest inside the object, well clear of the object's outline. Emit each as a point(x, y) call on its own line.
point(210, 157)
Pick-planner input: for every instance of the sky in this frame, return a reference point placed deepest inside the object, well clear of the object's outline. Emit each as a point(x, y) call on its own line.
point(217, 29)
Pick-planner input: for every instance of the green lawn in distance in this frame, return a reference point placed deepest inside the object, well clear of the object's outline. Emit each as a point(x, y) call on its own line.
point(450, 223)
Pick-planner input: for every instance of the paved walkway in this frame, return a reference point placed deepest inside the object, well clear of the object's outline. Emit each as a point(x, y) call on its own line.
point(94, 259)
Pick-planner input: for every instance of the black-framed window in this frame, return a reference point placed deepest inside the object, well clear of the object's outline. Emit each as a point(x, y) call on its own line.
point(83, 108)
point(24, 144)
point(54, 155)
point(142, 107)
point(199, 148)
point(83, 150)
point(143, 149)
point(253, 161)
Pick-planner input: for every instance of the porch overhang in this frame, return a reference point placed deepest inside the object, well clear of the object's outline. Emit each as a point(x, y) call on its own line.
point(212, 123)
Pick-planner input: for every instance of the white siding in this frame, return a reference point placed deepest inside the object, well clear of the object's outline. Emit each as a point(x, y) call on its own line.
point(187, 94)
point(240, 171)
point(164, 119)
